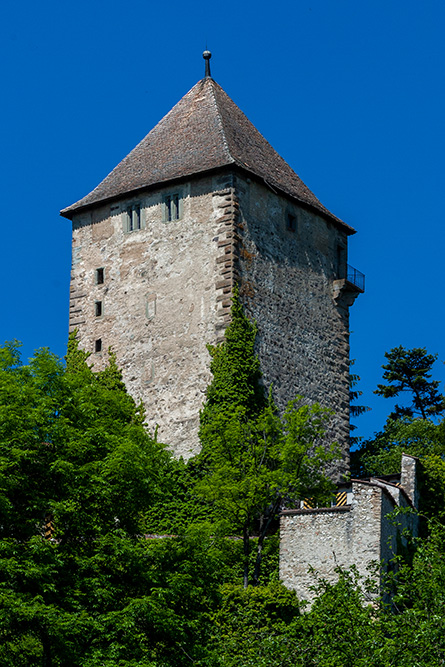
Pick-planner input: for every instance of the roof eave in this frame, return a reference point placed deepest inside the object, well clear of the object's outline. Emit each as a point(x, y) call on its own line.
point(74, 209)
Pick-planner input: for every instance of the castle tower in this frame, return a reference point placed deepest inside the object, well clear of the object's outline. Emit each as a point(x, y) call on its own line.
point(201, 202)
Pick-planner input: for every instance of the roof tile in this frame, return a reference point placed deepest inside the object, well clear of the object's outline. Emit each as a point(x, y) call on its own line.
point(205, 130)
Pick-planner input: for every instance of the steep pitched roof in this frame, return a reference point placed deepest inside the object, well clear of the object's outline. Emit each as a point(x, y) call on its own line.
point(205, 130)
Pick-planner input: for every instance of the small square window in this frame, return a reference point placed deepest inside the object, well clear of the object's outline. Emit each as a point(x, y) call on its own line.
point(100, 276)
point(98, 345)
point(172, 208)
point(98, 309)
point(291, 222)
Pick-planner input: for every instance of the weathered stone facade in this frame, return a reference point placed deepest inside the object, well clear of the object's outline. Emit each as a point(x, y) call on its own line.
point(287, 277)
point(362, 532)
point(166, 294)
point(159, 293)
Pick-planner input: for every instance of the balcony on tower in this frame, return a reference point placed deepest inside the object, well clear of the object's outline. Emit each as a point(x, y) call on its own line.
point(347, 289)
point(355, 278)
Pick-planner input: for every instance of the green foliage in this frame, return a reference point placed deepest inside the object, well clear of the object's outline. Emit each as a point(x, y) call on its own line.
point(254, 461)
point(253, 627)
point(382, 454)
point(414, 623)
point(354, 409)
point(432, 491)
point(342, 629)
point(264, 625)
point(409, 371)
point(236, 371)
point(74, 454)
point(125, 602)
point(180, 506)
point(254, 465)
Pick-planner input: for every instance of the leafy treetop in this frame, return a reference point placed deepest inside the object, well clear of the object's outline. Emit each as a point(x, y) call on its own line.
point(411, 429)
point(80, 584)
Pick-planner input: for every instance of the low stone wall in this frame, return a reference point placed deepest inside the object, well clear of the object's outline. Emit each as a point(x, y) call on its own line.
point(364, 533)
point(326, 538)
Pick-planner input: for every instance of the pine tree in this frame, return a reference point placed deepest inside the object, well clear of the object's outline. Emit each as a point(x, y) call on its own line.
point(409, 371)
point(354, 409)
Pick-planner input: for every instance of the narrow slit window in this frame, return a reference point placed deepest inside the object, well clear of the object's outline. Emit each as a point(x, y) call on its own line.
point(100, 276)
point(172, 206)
point(98, 345)
point(133, 218)
point(98, 309)
point(136, 217)
point(341, 261)
point(291, 222)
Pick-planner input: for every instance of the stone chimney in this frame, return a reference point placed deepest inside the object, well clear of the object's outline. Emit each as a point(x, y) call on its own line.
point(408, 477)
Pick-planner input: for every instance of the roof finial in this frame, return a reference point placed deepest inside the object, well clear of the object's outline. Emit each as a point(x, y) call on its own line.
point(207, 55)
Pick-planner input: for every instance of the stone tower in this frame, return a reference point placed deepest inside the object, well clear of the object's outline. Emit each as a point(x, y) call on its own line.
point(202, 202)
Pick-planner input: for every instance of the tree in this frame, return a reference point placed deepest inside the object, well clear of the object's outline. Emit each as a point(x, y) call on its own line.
point(381, 455)
point(255, 627)
point(79, 582)
point(409, 371)
point(354, 409)
point(341, 628)
point(414, 621)
point(254, 460)
point(235, 368)
point(410, 429)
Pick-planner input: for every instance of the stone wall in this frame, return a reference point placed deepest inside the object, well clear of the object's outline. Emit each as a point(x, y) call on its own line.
point(287, 285)
point(395, 525)
point(408, 477)
point(326, 538)
point(364, 533)
point(166, 294)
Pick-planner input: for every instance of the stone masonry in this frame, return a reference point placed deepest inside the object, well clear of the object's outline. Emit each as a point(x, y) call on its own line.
point(166, 293)
point(287, 278)
point(362, 532)
point(157, 290)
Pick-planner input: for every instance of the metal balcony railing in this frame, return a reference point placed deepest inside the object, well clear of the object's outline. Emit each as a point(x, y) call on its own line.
point(356, 277)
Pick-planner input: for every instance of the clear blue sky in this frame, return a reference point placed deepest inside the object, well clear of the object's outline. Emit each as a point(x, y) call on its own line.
point(349, 92)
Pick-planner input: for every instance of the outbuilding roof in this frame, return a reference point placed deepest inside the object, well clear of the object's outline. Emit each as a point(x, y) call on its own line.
point(204, 131)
